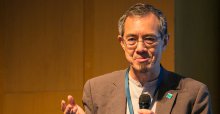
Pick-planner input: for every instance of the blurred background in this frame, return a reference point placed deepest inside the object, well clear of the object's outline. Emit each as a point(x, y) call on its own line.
point(49, 48)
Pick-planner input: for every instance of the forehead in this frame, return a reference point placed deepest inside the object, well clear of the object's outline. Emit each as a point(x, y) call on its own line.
point(148, 24)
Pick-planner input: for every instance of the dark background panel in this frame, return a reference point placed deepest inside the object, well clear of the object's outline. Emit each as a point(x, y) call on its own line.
point(197, 43)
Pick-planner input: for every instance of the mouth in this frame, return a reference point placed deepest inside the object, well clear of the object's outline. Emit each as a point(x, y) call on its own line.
point(140, 60)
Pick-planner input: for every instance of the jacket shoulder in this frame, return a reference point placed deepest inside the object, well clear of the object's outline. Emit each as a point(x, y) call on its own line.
point(109, 76)
point(184, 83)
point(189, 83)
point(109, 80)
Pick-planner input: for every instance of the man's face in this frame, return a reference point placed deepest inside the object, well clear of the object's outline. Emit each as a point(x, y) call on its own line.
point(145, 54)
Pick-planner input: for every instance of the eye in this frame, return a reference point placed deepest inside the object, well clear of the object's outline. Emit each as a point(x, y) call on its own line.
point(149, 39)
point(131, 40)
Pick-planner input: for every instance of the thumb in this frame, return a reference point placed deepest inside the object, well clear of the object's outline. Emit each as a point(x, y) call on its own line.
point(71, 100)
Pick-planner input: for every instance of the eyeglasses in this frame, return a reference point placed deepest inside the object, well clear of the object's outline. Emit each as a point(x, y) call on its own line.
point(149, 41)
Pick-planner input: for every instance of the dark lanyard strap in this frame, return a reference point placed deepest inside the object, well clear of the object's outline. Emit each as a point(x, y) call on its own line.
point(127, 89)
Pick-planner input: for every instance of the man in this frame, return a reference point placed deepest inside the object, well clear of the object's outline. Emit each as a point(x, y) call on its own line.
point(143, 37)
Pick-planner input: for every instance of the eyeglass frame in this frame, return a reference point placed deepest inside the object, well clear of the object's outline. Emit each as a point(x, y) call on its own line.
point(146, 43)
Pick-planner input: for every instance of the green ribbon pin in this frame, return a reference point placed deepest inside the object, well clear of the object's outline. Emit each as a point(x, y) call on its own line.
point(169, 95)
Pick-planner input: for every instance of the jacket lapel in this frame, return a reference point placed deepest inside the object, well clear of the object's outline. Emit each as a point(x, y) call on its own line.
point(165, 105)
point(167, 92)
point(118, 105)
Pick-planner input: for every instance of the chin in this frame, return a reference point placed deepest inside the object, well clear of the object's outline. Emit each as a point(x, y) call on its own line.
point(143, 67)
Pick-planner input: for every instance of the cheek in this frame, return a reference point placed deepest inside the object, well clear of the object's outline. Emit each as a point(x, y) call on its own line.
point(129, 55)
point(129, 52)
point(151, 52)
point(155, 52)
point(158, 53)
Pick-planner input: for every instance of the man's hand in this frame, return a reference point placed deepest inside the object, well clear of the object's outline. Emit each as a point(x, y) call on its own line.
point(145, 111)
point(72, 107)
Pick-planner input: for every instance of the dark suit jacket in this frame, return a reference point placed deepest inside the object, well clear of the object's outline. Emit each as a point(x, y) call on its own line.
point(106, 95)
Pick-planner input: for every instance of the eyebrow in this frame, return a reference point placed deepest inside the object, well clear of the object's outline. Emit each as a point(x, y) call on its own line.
point(152, 35)
point(129, 35)
point(146, 35)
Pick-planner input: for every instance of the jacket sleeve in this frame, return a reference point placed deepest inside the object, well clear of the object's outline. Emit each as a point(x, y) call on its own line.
point(87, 98)
point(202, 103)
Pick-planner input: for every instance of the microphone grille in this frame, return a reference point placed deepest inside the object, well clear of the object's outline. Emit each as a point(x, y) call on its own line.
point(144, 101)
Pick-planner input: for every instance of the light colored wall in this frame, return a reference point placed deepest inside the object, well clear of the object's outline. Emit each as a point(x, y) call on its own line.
point(49, 48)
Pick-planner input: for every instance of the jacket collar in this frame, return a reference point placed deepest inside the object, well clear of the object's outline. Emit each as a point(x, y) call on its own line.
point(167, 92)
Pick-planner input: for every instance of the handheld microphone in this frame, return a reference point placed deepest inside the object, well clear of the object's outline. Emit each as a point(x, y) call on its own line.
point(144, 101)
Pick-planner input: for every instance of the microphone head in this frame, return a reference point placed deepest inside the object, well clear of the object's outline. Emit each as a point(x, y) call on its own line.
point(144, 101)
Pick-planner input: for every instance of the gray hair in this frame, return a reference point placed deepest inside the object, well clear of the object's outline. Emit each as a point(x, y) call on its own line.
point(141, 9)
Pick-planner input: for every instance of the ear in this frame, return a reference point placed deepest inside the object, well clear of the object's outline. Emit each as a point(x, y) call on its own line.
point(120, 39)
point(165, 41)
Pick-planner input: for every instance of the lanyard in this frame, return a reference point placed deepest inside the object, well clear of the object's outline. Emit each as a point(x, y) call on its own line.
point(127, 89)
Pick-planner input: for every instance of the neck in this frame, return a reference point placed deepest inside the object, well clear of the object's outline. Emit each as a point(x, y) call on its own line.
point(146, 76)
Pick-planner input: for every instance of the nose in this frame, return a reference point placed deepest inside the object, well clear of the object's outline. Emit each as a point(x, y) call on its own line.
point(141, 47)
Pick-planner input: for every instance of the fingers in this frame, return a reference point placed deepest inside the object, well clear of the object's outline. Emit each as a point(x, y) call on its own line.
point(74, 109)
point(71, 107)
point(68, 109)
point(145, 111)
point(71, 100)
point(63, 105)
